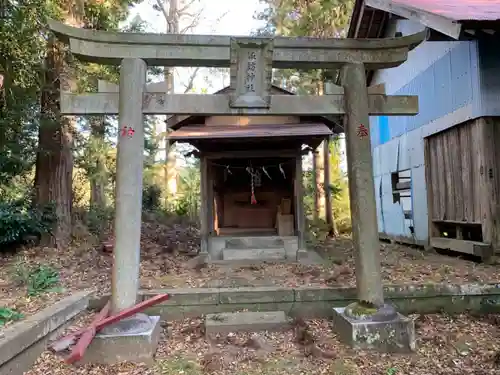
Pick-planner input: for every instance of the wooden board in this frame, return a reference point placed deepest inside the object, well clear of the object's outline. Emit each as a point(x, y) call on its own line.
point(454, 160)
point(463, 177)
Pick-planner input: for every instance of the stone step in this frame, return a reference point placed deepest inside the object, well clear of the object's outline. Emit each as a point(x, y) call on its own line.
point(250, 242)
point(259, 254)
point(246, 322)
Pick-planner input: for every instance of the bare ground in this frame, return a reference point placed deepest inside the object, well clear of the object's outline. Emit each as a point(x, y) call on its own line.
point(446, 346)
point(165, 264)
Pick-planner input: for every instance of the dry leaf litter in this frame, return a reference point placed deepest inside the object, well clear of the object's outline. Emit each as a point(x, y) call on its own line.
point(166, 262)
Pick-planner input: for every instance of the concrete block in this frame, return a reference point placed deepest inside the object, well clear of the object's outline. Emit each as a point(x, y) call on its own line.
point(28, 332)
point(250, 242)
point(391, 336)
point(132, 346)
point(246, 322)
point(25, 360)
point(262, 254)
point(322, 293)
point(185, 296)
point(263, 294)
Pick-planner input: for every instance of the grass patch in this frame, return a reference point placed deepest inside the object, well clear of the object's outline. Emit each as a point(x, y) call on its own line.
point(8, 315)
point(341, 367)
point(177, 365)
point(37, 279)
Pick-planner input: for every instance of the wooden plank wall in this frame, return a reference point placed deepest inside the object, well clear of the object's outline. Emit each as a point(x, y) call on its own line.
point(454, 160)
point(462, 175)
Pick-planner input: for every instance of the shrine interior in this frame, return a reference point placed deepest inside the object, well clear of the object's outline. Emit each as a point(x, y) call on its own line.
point(239, 210)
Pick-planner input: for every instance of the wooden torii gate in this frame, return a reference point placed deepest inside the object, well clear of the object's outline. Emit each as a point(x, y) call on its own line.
point(251, 61)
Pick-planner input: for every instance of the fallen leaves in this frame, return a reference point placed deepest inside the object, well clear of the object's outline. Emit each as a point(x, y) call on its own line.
point(308, 347)
point(446, 346)
point(167, 261)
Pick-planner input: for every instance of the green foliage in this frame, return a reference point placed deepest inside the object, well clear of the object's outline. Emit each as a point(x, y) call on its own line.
point(313, 18)
point(151, 197)
point(22, 47)
point(37, 279)
point(18, 223)
point(341, 202)
point(98, 219)
point(178, 365)
point(188, 201)
point(8, 315)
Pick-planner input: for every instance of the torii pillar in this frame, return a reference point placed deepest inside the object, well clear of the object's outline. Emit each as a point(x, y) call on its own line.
point(369, 323)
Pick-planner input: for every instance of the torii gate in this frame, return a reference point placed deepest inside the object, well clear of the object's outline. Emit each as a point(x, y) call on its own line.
point(251, 61)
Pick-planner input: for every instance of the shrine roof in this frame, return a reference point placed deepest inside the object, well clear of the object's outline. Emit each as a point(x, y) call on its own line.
point(458, 10)
point(249, 131)
point(448, 17)
point(175, 122)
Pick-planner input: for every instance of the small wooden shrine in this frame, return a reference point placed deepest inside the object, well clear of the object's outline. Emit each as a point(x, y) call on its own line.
point(251, 170)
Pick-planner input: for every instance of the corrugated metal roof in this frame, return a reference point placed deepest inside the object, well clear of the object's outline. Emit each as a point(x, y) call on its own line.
point(250, 131)
point(458, 10)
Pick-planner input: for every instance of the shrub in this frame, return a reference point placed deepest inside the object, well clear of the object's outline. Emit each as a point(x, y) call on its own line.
point(9, 315)
point(151, 197)
point(38, 279)
point(19, 223)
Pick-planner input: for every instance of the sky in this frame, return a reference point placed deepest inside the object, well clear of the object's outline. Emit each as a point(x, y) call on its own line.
point(219, 17)
point(238, 21)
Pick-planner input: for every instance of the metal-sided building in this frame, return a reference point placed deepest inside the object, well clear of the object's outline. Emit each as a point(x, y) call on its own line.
point(436, 174)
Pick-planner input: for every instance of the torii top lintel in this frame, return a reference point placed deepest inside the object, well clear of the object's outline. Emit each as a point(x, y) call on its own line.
point(106, 47)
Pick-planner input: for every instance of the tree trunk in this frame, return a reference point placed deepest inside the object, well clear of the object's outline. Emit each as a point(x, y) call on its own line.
point(330, 220)
point(54, 164)
point(172, 28)
point(316, 186)
point(98, 178)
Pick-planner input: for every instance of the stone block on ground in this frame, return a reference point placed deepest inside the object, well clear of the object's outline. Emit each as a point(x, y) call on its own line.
point(249, 242)
point(395, 335)
point(246, 322)
point(263, 254)
point(130, 344)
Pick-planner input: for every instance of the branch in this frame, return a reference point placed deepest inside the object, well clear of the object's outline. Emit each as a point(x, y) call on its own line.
point(186, 6)
point(195, 21)
point(190, 83)
point(161, 5)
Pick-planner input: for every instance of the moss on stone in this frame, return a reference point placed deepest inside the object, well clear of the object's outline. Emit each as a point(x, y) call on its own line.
point(359, 309)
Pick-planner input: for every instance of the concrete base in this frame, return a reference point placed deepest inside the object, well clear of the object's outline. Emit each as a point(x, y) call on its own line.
point(125, 341)
point(301, 254)
point(246, 322)
point(216, 244)
point(396, 335)
point(263, 254)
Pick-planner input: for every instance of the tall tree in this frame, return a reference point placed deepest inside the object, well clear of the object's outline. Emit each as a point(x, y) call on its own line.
point(21, 46)
point(54, 165)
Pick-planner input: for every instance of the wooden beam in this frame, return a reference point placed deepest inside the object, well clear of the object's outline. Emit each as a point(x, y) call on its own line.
point(377, 89)
point(480, 249)
point(204, 207)
point(360, 19)
point(299, 207)
point(214, 105)
point(243, 154)
point(431, 20)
